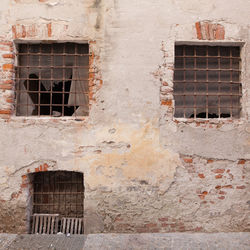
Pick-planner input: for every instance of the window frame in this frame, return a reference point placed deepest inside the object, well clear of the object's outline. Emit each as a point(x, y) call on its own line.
point(19, 42)
point(242, 80)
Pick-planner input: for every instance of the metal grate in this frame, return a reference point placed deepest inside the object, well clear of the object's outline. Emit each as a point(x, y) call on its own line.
point(207, 81)
point(58, 192)
point(52, 79)
point(45, 223)
point(72, 225)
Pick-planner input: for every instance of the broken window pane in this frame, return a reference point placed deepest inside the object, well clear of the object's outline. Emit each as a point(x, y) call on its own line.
point(52, 79)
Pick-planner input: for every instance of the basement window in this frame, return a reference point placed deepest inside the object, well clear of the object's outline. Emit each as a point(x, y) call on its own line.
point(207, 81)
point(52, 79)
point(57, 202)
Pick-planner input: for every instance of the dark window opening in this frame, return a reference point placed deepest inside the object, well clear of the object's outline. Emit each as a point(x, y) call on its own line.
point(52, 80)
point(57, 202)
point(207, 81)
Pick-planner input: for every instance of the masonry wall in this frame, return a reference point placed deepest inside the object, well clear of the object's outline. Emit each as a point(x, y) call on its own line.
point(144, 170)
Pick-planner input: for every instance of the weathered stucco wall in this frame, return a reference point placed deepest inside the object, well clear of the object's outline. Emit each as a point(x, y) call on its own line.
point(144, 171)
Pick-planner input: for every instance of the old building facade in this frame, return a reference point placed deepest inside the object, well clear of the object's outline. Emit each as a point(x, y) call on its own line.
point(162, 141)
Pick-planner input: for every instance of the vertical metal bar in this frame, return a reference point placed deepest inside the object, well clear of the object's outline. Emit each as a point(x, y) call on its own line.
point(75, 80)
point(207, 82)
point(195, 82)
point(63, 82)
point(231, 81)
point(76, 223)
point(219, 82)
point(39, 80)
point(41, 223)
point(72, 226)
point(36, 218)
point(28, 81)
point(51, 77)
point(184, 81)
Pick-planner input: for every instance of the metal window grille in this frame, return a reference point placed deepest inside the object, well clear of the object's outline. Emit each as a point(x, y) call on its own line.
point(207, 81)
point(58, 192)
point(52, 79)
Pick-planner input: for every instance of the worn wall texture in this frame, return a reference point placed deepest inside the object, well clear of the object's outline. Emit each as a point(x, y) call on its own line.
point(144, 170)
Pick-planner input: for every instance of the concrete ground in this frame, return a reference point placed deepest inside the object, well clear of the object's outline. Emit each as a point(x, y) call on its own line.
point(179, 241)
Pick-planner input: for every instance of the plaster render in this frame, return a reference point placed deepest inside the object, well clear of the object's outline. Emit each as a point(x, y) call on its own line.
point(144, 170)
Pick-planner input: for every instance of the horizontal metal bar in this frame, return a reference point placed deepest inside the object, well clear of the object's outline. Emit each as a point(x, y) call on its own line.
point(204, 82)
point(195, 107)
point(206, 56)
point(207, 94)
point(205, 69)
point(52, 79)
point(52, 92)
point(51, 67)
point(60, 193)
point(51, 54)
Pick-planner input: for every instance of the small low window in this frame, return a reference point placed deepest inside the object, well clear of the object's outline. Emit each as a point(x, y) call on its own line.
point(57, 202)
point(52, 79)
point(207, 81)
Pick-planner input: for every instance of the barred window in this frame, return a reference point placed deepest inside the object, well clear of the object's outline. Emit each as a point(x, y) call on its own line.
point(57, 202)
point(207, 81)
point(52, 79)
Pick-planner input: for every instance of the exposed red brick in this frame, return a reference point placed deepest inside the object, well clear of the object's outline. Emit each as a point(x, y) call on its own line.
point(202, 176)
point(218, 187)
point(8, 56)
point(165, 224)
point(198, 30)
point(241, 162)
point(197, 229)
point(219, 171)
point(209, 31)
point(24, 185)
point(31, 32)
point(166, 102)
point(8, 82)
point(6, 43)
point(154, 230)
point(188, 160)
point(222, 192)
point(45, 167)
point(220, 32)
point(241, 187)
point(218, 176)
point(8, 66)
point(165, 84)
point(14, 33)
point(49, 28)
point(163, 219)
point(227, 186)
point(150, 225)
point(5, 86)
point(173, 225)
point(24, 177)
point(23, 31)
point(9, 100)
point(5, 112)
point(221, 197)
point(36, 169)
point(210, 161)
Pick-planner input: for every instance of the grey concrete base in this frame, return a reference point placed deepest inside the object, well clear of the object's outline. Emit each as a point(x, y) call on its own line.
point(179, 241)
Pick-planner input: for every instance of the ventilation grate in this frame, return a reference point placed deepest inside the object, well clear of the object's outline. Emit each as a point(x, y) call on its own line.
point(72, 225)
point(45, 223)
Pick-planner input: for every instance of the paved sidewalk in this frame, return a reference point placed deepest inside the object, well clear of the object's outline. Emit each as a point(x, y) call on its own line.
point(178, 241)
